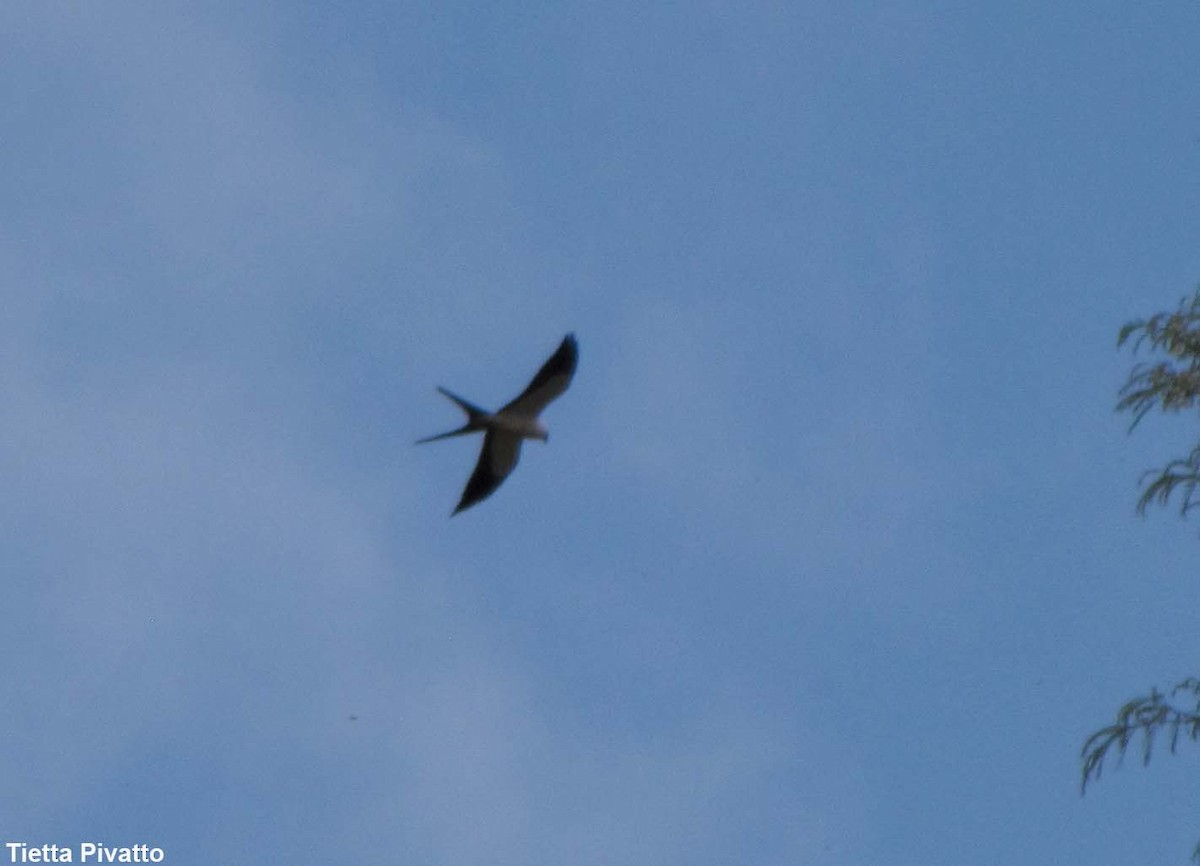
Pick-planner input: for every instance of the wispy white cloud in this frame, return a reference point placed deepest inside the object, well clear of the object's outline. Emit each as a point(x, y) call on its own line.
point(203, 605)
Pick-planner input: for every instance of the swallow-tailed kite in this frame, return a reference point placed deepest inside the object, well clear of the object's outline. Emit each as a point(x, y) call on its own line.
point(505, 429)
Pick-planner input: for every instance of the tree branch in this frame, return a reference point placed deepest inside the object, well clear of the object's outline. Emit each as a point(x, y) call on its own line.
point(1147, 716)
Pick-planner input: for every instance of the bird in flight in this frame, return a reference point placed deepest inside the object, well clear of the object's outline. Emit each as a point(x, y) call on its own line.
point(504, 430)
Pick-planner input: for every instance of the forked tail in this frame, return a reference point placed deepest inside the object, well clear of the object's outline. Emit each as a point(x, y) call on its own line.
point(476, 419)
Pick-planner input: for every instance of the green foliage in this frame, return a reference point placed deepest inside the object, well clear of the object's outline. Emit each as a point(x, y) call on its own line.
point(1144, 718)
point(1171, 385)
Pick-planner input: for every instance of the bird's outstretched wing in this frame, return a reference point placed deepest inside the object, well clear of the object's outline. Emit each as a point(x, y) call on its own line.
point(497, 460)
point(550, 381)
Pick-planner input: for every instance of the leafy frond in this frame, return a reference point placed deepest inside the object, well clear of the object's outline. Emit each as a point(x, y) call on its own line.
point(1144, 717)
point(1178, 332)
point(1171, 385)
point(1178, 474)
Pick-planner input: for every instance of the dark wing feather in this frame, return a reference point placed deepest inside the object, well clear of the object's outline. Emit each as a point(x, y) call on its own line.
point(550, 381)
point(497, 459)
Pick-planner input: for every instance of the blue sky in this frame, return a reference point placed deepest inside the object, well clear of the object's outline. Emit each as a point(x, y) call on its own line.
point(832, 555)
